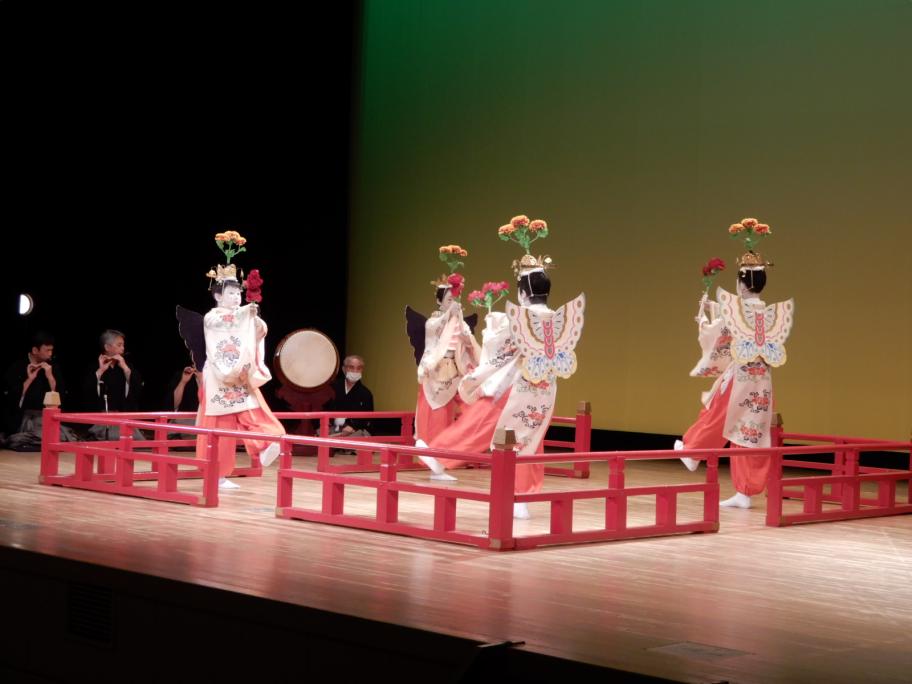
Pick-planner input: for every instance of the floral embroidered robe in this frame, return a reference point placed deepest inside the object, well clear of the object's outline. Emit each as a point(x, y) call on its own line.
point(235, 367)
point(439, 377)
point(544, 340)
point(497, 368)
point(741, 346)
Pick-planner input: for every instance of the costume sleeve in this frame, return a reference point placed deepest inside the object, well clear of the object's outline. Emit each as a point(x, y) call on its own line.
point(133, 390)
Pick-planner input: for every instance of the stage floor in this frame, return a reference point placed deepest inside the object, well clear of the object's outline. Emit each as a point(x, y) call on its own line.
point(822, 602)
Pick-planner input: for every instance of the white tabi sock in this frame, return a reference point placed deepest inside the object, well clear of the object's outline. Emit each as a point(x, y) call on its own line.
point(739, 500)
point(439, 472)
point(690, 463)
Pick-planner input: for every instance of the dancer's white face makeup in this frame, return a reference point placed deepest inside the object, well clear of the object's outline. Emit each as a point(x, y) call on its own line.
point(229, 297)
point(447, 300)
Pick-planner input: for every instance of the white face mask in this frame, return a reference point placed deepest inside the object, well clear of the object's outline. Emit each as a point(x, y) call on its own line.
point(353, 377)
point(229, 298)
point(447, 300)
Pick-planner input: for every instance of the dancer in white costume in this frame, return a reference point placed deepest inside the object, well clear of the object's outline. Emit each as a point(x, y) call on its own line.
point(525, 369)
point(445, 350)
point(742, 339)
point(228, 344)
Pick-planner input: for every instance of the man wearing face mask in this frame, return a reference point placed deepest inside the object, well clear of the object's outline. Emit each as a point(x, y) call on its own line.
point(351, 395)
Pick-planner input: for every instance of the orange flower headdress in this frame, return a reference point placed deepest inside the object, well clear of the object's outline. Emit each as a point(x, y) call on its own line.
point(524, 232)
point(451, 255)
point(752, 232)
point(231, 243)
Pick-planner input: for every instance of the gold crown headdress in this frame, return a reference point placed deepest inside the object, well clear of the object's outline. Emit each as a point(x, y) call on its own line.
point(752, 261)
point(221, 273)
point(441, 281)
point(530, 264)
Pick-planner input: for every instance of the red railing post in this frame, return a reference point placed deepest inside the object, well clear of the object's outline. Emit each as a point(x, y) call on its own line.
point(167, 477)
point(886, 493)
point(616, 506)
point(666, 509)
point(711, 495)
point(285, 453)
point(616, 473)
point(839, 468)
point(407, 428)
point(562, 516)
point(285, 483)
point(387, 499)
point(444, 513)
point(160, 434)
point(813, 498)
point(124, 465)
point(211, 472)
point(503, 483)
point(776, 431)
point(407, 435)
point(364, 457)
point(333, 498)
point(125, 447)
point(909, 482)
point(50, 432)
point(285, 491)
point(323, 450)
point(582, 437)
point(774, 491)
point(851, 494)
point(125, 474)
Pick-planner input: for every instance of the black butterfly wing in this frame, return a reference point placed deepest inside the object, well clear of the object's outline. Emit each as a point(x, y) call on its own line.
point(190, 327)
point(414, 326)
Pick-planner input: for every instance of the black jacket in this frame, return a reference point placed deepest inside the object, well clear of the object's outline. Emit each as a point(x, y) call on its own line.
point(113, 385)
point(34, 396)
point(359, 398)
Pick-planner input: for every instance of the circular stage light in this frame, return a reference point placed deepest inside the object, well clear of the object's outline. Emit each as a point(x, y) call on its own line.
point(26, 304)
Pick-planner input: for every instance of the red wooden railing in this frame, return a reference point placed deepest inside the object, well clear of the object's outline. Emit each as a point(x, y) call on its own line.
point(838, 495)
point(582, 441)
point(500, 499)
point(368, 459)
point(110, 466)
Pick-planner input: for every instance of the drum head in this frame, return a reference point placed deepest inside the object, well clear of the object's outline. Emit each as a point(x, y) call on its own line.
point(306, 359)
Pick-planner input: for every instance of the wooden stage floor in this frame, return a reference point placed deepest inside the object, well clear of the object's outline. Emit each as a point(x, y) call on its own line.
point(828, 602)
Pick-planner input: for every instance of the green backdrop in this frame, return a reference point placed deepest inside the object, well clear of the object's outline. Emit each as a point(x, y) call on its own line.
point(640, 130)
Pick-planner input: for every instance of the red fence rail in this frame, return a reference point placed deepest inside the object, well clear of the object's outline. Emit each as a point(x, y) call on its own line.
point(368, 458)
point(838, 495)
point(110, 466)
point(582, 441)
point(500, 498)
point(365, 447)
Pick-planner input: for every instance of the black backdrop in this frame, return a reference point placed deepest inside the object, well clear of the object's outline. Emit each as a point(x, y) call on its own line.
point(135, 133)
